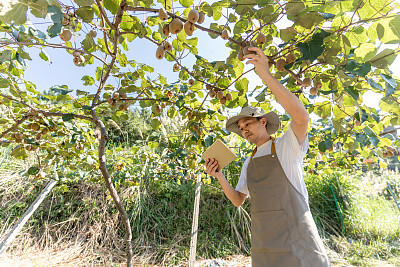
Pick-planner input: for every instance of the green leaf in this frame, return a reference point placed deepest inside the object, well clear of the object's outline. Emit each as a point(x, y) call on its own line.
point(39, 8)
point(242, 84)
point(68, 117)
point(86, 13)
point(19, 152)
point(365, 52)
point(294, 8)
point(127, 22)
point(87, 80)
point(4, 83)
point(288, 34)
point(391, 27)
point(155, 124)
point(88, 43)
point(43, 55)
point(186, 3)
point(325, 145)
point(55, 13)
point(112, 5)
point(353, 92)
point(309, 20)
point(33, 170)
point(358, 69)
point(54, 29)
point(313, 48)
point(84, 2)
point(372, 135)
point(15, 13)
point(241, 26)
point(384, 59)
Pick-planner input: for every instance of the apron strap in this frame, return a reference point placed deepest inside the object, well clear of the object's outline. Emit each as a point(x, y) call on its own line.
point(273, 150)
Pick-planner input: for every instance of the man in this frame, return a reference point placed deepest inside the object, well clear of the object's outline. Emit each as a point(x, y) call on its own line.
point(282, 228)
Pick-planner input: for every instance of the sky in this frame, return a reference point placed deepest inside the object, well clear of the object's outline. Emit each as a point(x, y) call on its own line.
point(62, 70)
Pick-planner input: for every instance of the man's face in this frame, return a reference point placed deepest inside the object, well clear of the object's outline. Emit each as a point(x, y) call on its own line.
point(252, 129)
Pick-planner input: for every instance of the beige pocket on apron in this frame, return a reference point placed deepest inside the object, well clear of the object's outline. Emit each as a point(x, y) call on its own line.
point(271, 231)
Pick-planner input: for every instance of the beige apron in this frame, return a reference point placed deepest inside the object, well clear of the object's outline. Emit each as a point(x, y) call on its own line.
point(283, 231)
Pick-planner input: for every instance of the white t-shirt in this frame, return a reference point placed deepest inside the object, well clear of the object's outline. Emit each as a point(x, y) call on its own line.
point(290, 155)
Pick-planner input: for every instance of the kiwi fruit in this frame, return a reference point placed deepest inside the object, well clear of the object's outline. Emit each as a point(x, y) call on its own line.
point(191, 81)
point(35, 127)
point(313, 91)
point(208, 87)
point(280, 64)
point(175, 26)
point(193, 16)
point(222, 100)
point(168, 46)
point(318, 85)
point(126, 106)
point(246, 51)
point(358, 123)
point(110, 101)
point(306, 82)
point(65, 35)
point(201, 18)
point(81, 59)
point(261, 39)
point(18, 136)
point(290, 58)
point(165, 30)
point(45, 131)
point(271, 63)
point(195, 127)
point(158, 109)
point(198, 132)
point(93, 33)
point(176, 67)
point(163, 105)
point(189, 28)
point(76, 53)
point(225, 34)
point(122, 95)
point(228, 97)
point(220, 95)
point(28, 147)
point(190, 115)
point(389, 154)
point(241, 55)
point(334, 164)
point(121, 107)
point(160, 52)
point(162, 14)
point(76, 61)
point(114, 104)
point(116, 96)
point(212, 93)
point(169, 94)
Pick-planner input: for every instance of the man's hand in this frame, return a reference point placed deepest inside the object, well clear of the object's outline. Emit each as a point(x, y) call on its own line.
point(211, 168)
point(260, 61)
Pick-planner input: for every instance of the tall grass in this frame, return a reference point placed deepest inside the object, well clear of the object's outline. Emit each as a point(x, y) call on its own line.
point(355, 214)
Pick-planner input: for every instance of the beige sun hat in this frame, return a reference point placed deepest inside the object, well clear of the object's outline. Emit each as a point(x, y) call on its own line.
point(273, 121)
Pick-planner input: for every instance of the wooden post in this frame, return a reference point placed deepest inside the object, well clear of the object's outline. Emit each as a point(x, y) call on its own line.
point(14, 232)
point(193, 240)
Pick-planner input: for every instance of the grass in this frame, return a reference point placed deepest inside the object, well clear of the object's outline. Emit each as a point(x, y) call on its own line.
point(78, 225)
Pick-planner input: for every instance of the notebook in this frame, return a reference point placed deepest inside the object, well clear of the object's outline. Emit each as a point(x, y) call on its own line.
point(221, 153)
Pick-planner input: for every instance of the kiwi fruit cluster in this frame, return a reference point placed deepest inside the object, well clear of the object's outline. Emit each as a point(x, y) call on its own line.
point(217, 93)
point(176, 25)
point(118, 99)
point(78, 58)
point(245, 45)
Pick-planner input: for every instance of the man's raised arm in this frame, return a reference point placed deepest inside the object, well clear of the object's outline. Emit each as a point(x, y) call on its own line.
point(293, 106)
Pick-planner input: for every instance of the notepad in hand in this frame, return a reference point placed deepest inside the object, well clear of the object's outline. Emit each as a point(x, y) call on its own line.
point(221, 153)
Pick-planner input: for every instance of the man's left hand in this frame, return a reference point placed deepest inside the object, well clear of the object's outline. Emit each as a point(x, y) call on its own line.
point(259, 61)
